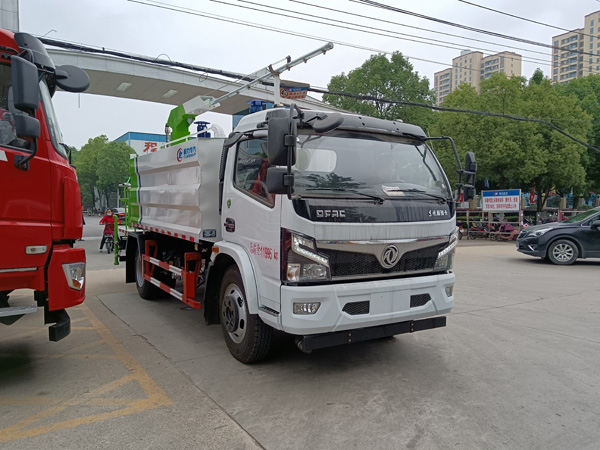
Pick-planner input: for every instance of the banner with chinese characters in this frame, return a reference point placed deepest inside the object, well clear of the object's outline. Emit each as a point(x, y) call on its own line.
point(508, 200)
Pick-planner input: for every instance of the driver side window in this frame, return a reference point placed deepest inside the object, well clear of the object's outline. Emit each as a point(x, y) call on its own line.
point(251, 170)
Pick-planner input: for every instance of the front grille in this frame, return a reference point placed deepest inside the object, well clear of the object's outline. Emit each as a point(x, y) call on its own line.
point(419, 300)
point(349, 264)
point(356, 308)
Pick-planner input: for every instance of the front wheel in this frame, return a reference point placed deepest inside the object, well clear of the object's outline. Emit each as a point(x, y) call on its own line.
point(247, 337)
point(563, 252)
point(110, 245)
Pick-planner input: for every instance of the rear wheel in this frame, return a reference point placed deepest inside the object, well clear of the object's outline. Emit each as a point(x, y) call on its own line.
point(147, 290)
point(247, 337)
point(563, 252)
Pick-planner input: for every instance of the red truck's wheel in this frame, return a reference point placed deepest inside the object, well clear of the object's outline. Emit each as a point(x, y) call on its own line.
point(247, 337)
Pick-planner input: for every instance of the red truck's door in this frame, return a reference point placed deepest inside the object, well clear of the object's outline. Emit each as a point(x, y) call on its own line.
point(25, 200)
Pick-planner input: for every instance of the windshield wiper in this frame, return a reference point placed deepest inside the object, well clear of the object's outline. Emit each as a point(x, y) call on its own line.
point(377, 199)
point(418, 191)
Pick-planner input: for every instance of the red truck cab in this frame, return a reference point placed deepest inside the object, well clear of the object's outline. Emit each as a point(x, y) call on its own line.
point(40, 200)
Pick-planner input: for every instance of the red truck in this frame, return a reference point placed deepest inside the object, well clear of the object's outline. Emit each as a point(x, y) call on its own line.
point(40, 200)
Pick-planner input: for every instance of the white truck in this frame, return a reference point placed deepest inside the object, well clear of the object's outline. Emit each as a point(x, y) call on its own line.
point(334, 228)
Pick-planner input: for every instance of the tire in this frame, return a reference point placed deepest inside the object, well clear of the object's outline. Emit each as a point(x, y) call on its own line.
point(146, 290)
point(563, 252)
point(247, 337)
point(110, 245)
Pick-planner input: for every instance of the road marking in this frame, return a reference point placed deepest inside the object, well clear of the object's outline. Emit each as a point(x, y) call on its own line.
point(155, 395)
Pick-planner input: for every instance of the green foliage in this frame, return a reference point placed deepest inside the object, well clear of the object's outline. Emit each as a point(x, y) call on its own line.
point(383, 78)
point(538, 76)
point(101, 165)
point(516, 154)
point(587, 91)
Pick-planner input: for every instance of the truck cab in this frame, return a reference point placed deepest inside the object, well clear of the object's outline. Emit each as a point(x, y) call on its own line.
point(40, 206)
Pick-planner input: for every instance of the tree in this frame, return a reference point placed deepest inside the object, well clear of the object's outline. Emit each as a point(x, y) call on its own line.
point(382, 78)
point(101, 167)
point(518, 154)
point(587, 91)
point(538, 76)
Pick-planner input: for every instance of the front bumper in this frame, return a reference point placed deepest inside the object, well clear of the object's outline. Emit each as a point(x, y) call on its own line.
point(316, 341)
point(380, 302)
point(532, 246)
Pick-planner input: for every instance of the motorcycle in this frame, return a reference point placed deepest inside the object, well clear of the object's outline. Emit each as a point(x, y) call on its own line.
point(461, 229)
point(507, 232)
point(478, 230)
point(109, 242)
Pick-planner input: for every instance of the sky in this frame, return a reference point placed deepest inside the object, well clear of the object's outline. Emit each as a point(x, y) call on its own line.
point(152, 28)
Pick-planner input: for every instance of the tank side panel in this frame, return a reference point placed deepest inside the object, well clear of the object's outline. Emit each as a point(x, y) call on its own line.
point(178, 188)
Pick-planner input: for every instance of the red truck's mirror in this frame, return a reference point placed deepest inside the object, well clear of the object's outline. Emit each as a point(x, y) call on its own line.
point(71, 78)
point(25, 91)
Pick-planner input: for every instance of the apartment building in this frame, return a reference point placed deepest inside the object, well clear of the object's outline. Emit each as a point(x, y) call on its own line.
point(576, 53)
point(442, 85)
point(472, 67)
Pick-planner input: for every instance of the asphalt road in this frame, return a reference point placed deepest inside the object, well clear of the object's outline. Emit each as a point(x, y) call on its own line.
point(517, 367)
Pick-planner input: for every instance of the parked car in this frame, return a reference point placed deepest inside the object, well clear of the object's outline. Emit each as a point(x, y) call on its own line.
point(563, 242)
point(120, 212)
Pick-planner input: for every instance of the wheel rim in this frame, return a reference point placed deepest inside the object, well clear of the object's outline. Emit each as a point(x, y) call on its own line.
point(139, 277)
point(563, 252)
point(234, 314)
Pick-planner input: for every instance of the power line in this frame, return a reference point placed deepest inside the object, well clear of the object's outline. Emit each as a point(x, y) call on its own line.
point(375, 4)
point(417, 28)
point(124, 55)
point(455, 110)
point(378, 31)
point(254, 25)
point(525, 19)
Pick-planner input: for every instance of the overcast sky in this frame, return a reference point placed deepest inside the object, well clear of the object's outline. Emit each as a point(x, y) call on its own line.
point(140, 28)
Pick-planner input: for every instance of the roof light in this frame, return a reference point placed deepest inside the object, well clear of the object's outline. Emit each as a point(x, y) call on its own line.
point(170, 93)
point(124, 86)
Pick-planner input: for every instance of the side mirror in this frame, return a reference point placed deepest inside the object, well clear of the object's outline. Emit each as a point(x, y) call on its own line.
point(469, 172)
point(281, 140)
point(27, 126)
point(595, 224)
point(277, 180)
point(25, 90)
point(71, 78)
point(470, 168)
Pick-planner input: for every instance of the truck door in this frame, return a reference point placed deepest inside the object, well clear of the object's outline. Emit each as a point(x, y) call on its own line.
point(251, 216)
point(25, 206)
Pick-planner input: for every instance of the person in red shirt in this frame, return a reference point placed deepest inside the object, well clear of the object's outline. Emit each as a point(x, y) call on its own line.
point(109, 226)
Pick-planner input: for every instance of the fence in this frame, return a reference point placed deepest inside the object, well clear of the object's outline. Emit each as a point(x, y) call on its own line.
point(492, 225)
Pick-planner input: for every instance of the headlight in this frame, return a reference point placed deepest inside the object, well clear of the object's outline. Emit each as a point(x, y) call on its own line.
point(538, 233)
point(445, 258)
point(75, 275)
point(301, 263)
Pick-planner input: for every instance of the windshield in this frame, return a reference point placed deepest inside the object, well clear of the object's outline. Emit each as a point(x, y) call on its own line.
point(55, 133)
point(367, 165)
point(581, 217)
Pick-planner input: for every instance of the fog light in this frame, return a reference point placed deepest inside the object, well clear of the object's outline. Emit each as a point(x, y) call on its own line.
point(306, 308)
point(449, 290)
point(75, 275)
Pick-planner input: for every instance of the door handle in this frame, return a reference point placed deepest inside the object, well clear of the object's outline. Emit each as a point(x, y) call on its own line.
point(229, 225)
